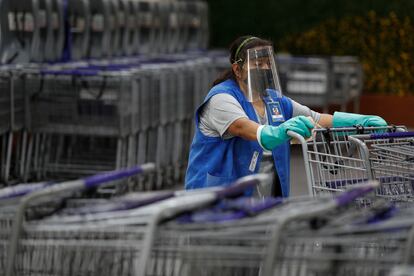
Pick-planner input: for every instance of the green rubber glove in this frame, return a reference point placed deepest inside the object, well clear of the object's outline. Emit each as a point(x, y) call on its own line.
point(270, 137)
point(343, 119)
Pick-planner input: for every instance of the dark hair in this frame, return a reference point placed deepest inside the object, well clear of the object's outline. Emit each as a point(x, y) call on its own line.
point(239, 47)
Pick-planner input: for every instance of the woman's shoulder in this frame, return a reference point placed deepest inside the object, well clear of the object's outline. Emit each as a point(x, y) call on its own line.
point(227, 87)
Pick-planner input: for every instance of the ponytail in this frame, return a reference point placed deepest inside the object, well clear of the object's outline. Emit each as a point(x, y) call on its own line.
point(226, 75)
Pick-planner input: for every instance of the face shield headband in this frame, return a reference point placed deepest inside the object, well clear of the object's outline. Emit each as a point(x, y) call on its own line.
point(236, 59)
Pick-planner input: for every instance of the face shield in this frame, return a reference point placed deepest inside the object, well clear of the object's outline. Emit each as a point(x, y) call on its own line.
point(261, 74)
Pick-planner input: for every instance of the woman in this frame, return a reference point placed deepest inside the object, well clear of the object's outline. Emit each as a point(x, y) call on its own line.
point(241, 127)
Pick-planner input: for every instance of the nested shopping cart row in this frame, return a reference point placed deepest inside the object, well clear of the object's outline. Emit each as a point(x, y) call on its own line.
point(319, 82)
point(52, 30)
point(81, 118)
point(201, 232)
point(338, 158)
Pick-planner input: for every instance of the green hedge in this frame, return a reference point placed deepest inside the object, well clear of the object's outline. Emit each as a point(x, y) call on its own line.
point(277, 19)
point(385, 46)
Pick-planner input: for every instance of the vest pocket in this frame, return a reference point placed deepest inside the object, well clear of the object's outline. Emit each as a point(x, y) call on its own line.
point(213, 180)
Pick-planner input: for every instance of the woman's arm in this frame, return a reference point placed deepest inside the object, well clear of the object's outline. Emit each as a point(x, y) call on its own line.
point(321, 119)
point(325, 120)
point(244, 128)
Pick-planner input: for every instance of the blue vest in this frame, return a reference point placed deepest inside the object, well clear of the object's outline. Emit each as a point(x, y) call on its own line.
point(214, 161)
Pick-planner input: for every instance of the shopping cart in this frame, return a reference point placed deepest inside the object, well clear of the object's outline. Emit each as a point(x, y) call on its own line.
point(112, 113)
point(75, 107)
point(402, 270)
point(197, 20)
point(26, 23)
point(55, 36)
point(12, 121)
point(79, 17)
point(332, 162)
point(320, 82)
point(390, 158)
point(366, 245)
point(246, 237)
point(347, 81)
point(233, 236)
point(306, 79)
point(128, 13)
point(40, 199)
point(104, 240)
point(102, 29)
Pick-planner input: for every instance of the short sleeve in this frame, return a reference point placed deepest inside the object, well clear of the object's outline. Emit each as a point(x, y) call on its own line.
point(299, 109)
point(219, 113)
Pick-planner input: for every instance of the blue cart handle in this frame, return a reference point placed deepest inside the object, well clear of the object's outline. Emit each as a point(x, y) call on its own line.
point(354, 193)
point(242, 185)
point(407, 134)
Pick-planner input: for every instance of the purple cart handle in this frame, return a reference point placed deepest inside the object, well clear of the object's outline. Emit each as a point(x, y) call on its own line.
point(406, 134)
point(113, 67)
point(96, 180)
point(71, 72)
point(241, 186)
point(80, 72)
point(121, 205)
point(231, 210)
point(349, 196)
point(21, 190)
point(90, 182)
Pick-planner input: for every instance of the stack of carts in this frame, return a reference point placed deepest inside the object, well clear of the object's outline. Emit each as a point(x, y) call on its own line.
point(82, 118)
point(47, 230)
point(321, 81)
point(120, 86)
point(52, 30)
point(336, 159)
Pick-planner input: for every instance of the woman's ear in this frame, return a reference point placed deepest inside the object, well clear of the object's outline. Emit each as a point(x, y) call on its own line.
point(237, 70)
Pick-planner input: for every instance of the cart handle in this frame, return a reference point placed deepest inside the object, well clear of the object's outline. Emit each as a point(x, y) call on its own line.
point(96, 180)
point(241, 185)
point(90, 182)
point(407, 134)
point(121, 204)
point(352, 194)
point(22, 189)
point(229, 210)
point(70, 72)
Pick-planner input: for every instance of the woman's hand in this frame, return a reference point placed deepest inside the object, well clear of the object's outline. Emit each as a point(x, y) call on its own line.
point(270, 137)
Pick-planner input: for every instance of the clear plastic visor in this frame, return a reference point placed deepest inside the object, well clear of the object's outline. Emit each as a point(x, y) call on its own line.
point(261, 72)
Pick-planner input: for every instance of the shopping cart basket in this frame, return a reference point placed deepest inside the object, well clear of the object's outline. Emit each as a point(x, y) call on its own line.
point(332, 163)
point(390, 158)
